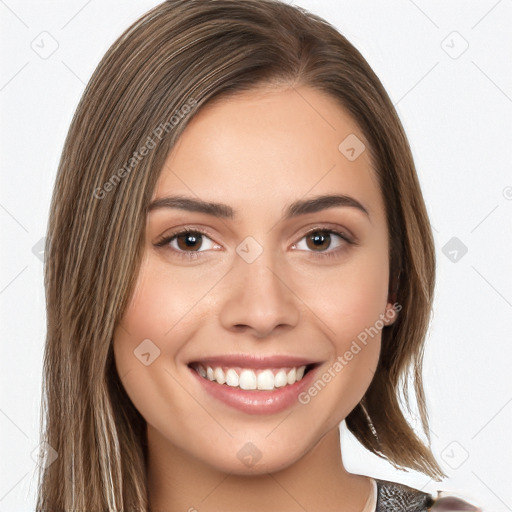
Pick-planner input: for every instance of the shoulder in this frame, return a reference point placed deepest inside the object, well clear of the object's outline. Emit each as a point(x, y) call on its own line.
point(396, 497)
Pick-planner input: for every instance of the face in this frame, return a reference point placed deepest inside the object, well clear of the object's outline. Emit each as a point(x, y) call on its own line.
point(254, 291)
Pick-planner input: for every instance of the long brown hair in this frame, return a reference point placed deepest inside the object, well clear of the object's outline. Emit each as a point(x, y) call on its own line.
point(150, 83)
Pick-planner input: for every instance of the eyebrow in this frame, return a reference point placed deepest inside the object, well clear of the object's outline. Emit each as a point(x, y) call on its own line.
point(224, 211)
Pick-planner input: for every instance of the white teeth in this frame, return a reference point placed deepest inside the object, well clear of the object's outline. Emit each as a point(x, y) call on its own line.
point(249, 379)
point(219, 375)
point(266, 380)
point(280, 379)
point(232, 378)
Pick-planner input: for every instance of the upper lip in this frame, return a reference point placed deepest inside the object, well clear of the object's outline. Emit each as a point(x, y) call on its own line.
point(254, 361)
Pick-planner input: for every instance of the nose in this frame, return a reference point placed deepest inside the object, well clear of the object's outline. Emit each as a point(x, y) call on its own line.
point(257, 298)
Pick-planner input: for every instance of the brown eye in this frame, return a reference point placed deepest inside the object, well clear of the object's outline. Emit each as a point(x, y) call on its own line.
point(187, 242)
point(190, 241)
point(323, 242)
point(319, 240)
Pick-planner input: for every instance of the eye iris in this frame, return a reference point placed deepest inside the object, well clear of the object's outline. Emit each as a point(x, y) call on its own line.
point(190, 239)
point(320, 239)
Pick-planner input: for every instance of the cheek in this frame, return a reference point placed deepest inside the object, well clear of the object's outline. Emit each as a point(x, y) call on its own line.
point(164, 312)
point(147, 344)
point(143, 339)
point(348, 298)
point(349, 303)
point(162, 307)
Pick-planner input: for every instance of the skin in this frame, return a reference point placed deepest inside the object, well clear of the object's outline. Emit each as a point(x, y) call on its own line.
point(257, 152)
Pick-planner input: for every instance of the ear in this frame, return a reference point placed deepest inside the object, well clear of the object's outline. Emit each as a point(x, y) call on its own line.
point(391, 311)
point(390, 314)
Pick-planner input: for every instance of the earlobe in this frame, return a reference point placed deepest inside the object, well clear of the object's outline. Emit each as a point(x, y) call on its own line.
point(390, 314)
point(392, 307)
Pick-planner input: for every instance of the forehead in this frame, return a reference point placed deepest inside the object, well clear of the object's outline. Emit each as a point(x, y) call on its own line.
point(261, 149)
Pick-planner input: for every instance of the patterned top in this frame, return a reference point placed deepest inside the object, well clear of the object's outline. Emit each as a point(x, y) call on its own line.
point(394, 497)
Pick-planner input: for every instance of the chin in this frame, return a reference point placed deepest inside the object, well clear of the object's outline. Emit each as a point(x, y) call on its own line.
point(252, 467)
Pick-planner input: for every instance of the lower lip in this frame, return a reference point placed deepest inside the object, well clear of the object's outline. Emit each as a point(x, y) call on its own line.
point(254, 401)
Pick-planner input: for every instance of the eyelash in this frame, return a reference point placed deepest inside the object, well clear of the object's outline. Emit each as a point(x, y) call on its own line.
point(189, 255)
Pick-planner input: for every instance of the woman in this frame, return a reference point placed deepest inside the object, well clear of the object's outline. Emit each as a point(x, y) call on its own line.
point(239, 259)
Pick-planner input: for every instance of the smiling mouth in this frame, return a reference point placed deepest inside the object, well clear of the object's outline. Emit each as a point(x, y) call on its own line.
point(263, 379)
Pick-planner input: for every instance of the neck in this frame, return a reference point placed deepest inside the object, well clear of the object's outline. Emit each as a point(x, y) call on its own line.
point(317, 481)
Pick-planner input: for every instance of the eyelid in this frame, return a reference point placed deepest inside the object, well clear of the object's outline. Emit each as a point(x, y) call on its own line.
point(337, 230)
point(342, 233)
point(166, 238)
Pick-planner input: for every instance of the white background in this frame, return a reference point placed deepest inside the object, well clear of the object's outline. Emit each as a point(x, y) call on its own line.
point(455, 104)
